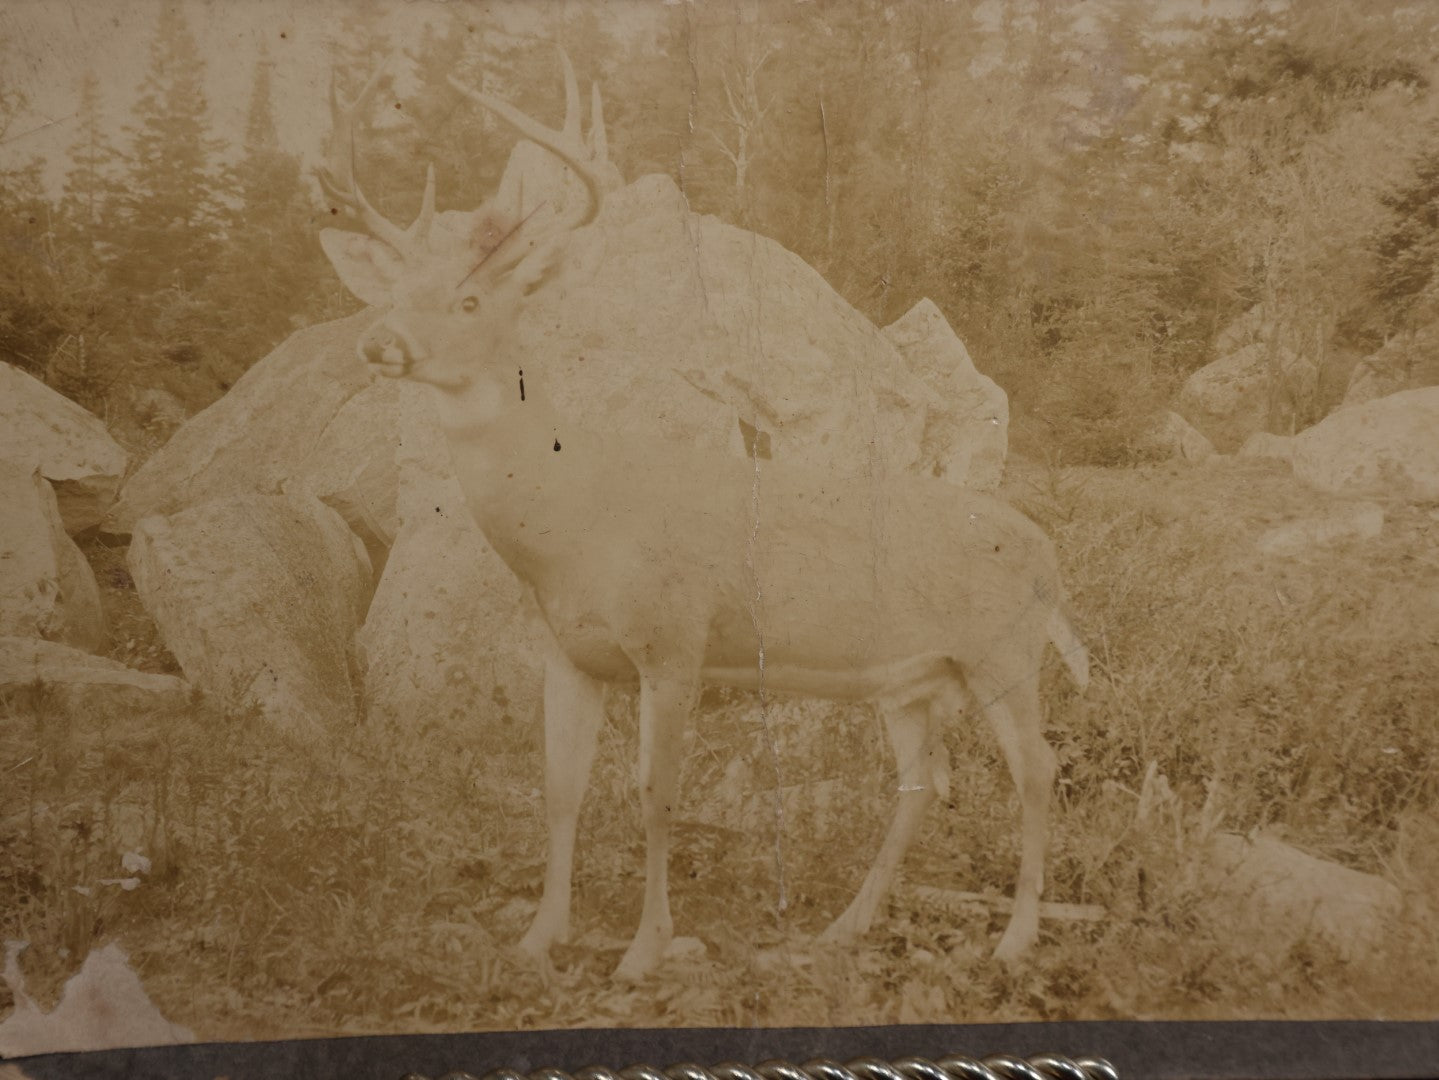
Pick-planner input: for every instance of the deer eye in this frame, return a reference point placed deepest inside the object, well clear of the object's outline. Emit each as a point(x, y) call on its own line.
point(470, 304)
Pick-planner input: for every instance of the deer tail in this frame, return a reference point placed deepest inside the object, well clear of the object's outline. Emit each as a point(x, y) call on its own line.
point(1071, 649)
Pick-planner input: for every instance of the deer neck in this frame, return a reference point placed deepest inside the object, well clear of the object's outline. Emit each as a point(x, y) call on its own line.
point(504, 449)
point(500, 421)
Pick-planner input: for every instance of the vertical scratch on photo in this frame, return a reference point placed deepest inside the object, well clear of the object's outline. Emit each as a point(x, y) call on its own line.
point(757, 618)
point(690, 225)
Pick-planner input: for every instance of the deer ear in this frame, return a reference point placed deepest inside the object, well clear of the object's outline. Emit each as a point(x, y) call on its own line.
point(368, 267)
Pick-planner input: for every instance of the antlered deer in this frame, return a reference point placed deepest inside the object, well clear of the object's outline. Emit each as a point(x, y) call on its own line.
point(680, 567)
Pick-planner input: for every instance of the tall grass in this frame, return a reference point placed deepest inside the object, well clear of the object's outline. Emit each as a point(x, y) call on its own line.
point(379, 887)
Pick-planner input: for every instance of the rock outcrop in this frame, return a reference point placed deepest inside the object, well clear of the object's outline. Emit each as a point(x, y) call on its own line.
point(678, 325)
point(258, 598)
point(47, 589)
point(1259, 387)
point(260, 434)
point(1354, 521)
point(1275, 895)
point(1389, 446)
point(78, 681)
point(1172, 436)
point(661, 321)
point(448, 637)
point(1409, 361)
point(966, 434)
point(40, 429)
point(1386, 447)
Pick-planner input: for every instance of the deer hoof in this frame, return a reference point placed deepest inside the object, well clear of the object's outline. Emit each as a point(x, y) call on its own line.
point(1014, 944)
point(538, 939)
point(640, 960)
point(633, 969)
point(845, 930)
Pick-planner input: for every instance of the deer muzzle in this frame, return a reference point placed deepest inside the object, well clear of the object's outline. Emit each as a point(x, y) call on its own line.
point(387, 347)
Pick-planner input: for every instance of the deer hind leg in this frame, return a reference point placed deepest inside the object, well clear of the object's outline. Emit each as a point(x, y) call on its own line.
point(574, 709)
point(1011, 705)
point(923, 774)
point(665, 706)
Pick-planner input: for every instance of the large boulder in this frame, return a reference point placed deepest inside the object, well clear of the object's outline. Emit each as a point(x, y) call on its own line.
point(260, 434)
point(82, 682)
point(447, 640)
point(683, 327)
point(47, 589)
point(1242, 331)
point(259, 597)
point(448, 636)
point(1408, 361)
point(1172, 436)
point(1272, 895)
point(662, 321)
point(1263, 444)
point(1389, 446)
point(1346, 522)
point(353, 466)
point(40, 429)
point(966, 429)
point(1260, 387)
point(1257, 326)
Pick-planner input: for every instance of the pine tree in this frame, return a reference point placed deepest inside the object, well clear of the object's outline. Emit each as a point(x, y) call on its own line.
point(468, 147)
point(31, 322)
point(453, 139)
point(360, 45)
point(384, 137)
point(255, 172)
point(169, 210)
point(647, 100)
point(89, 185)
point(89, 360)
point(1408, 247)
point(271, 273)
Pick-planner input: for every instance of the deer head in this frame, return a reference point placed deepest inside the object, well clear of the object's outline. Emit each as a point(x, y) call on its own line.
point(454, 284)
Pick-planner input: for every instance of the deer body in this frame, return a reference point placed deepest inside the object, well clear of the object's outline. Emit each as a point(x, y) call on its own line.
point(843, 582)
point(677, 567)
point(674, 566)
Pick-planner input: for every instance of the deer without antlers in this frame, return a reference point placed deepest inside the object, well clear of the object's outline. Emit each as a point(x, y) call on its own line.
point(678, 567)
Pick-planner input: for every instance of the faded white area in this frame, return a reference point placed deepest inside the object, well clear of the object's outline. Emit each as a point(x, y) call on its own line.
point(48, 46)
point(102, 1007)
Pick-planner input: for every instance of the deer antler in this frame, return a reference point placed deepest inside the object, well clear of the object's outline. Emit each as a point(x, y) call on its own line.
point(337, 176)
point(568, 144)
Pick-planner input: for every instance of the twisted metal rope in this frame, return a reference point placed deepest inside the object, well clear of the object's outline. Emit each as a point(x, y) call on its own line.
point(952, 1067)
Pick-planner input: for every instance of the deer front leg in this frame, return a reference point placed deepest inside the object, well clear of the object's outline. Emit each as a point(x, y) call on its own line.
point(913, 736)
point(574, 708)
point(665, 706)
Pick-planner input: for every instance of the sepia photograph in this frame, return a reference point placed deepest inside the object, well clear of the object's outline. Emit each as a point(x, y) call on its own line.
point(715, 514)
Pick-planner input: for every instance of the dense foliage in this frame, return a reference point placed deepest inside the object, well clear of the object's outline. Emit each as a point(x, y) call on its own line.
point(1091, 192)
